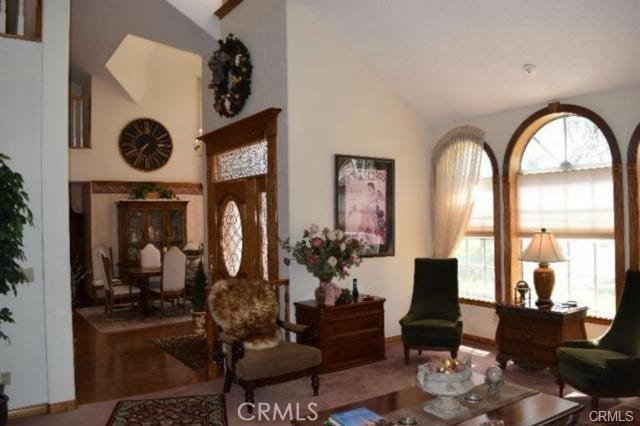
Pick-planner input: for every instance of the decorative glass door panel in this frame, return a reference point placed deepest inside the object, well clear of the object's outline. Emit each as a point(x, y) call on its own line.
point(176, 228)
point(231, 241)
point(135, 236)
point(155, 229)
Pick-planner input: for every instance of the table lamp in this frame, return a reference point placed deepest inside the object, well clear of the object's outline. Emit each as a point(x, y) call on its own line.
point(543, 249)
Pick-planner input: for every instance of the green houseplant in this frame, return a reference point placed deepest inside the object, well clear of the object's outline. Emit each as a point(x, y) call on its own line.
point(142, 190)
point(14, 215)
point(198, 301)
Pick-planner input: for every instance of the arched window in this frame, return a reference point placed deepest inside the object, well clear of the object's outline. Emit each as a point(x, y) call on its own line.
point(563, 168)
point(478, 252)
point(634, 200)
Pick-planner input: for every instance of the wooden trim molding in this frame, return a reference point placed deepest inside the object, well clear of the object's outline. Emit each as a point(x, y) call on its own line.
point(21, 37)
point(476, 302)
point(39, 409)
point(497, 229)
point(124, 187)
point(634, 206)
point(393, 339)
point(511, 166)
point(470, 338)
point(226, 8)
point(598, 320)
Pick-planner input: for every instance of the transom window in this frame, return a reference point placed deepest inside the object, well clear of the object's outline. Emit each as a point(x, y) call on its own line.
point(565, 185)
point(476, 261)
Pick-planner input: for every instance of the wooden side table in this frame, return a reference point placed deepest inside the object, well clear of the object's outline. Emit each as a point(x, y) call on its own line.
point(530, 336)
point(348, 335)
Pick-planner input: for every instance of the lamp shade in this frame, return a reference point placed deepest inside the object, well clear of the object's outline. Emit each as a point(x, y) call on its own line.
point(543, 248)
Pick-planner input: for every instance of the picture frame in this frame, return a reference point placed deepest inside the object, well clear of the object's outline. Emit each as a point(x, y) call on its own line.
point(364, 202)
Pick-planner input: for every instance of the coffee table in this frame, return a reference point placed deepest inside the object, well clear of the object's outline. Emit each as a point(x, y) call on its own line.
point(538, 409)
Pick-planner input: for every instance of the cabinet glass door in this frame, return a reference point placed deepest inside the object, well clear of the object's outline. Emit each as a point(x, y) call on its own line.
point(176, 228)
point(134, 236)
point(154, 228)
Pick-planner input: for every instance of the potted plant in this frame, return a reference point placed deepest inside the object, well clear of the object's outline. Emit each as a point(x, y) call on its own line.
point(14, 215)
point(327, 254)
point(198, 301)
point(150, 191)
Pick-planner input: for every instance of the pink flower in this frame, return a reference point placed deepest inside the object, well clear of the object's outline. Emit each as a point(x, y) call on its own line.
point(314, 228)
point(316, 242)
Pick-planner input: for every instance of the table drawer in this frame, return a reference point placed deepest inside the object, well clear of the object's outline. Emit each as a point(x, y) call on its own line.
point(355, 350)
point(547, 340)
point(366, 323)
point(529, 324)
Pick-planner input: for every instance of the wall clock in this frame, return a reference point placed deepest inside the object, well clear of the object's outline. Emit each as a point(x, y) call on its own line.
point(145, 144)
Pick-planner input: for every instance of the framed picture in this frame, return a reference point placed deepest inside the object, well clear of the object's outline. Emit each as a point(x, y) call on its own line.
point(364, 206)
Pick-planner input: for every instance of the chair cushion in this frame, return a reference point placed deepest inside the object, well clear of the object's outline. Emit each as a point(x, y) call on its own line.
point(586, 367)
point(431, 332)
point(122, 290)
point(283, 359)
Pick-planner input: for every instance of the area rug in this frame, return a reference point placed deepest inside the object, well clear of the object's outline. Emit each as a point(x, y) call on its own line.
point(126, 320)
point(199, 410)
point(189, 349)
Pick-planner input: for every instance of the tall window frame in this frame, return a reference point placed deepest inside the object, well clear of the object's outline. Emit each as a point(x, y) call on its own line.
point(634, 199)
point(511, 167)
point(497, 234)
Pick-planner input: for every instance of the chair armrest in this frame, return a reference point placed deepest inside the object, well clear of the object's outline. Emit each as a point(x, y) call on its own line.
point(294, 328)
point(306, 334)
point(623, 371)
point(578, 344)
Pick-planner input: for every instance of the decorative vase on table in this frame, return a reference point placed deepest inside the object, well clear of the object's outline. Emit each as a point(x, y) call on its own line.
point(326, 254)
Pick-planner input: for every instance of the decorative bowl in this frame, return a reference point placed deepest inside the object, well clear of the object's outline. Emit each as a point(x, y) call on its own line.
point(446, 387)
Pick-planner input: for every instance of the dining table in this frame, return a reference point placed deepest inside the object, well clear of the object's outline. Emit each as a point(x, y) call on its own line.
point(142, 276)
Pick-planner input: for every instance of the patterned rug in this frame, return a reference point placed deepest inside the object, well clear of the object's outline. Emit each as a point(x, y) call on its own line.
point(189, 349)
point(200, 410)
point(126, 320)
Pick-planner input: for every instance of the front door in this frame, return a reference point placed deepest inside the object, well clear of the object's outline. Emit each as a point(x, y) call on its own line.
point(237, 236)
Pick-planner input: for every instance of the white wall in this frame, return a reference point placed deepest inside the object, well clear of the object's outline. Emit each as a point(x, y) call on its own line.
point(171, 98)
point(620, 108)
point(337, 105)
point(261, 26)
point(33, 116)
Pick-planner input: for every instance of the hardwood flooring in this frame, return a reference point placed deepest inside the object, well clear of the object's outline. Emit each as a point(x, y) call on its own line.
point(110, 366)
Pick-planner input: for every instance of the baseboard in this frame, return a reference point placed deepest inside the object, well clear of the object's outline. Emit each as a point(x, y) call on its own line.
point(477, 339)
point(39, 409)
point(59, 407)
point(392, 339)
point(31, 410)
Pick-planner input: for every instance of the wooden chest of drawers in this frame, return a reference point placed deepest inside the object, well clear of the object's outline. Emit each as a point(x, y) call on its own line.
point(530, 336)
point(348, 335)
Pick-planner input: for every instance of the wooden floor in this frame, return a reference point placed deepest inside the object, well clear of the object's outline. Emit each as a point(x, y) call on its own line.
point(110, 366)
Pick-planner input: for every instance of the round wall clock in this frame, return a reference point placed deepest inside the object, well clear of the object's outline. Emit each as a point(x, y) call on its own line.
point(145, 144)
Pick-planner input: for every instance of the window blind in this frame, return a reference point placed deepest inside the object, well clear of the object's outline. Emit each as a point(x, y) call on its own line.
point(576, 203)
point(481, 220)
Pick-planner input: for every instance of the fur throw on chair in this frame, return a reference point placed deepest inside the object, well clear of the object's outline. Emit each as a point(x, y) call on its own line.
point(246, 310)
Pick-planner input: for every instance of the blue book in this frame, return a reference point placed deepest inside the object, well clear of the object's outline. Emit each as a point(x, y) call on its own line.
point(358, 417)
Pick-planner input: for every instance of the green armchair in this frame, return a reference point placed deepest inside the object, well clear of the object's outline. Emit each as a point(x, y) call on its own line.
point(433, 321)
point(610, 365)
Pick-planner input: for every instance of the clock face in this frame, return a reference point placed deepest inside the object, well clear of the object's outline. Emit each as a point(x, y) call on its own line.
point(145, 144)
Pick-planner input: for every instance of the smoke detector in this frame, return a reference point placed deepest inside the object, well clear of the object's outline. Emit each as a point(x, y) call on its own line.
point(529, 68)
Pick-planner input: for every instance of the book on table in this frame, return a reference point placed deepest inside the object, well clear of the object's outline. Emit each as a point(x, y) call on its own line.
point(358, 417)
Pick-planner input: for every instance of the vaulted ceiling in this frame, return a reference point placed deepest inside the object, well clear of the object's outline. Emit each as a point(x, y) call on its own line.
point(459, 58)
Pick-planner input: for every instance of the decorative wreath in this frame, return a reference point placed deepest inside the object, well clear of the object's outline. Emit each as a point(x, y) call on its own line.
point(231, 83)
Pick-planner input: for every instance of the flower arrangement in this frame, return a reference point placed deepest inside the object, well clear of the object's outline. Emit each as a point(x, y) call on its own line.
point(327, 254)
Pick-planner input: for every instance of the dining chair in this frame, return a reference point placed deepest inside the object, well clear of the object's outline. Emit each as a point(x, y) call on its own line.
point(97, 283)
point(172, 281)
point(115, 293)
point(150, 257)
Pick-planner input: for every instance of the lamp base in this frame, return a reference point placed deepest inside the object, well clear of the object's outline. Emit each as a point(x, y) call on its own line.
point(544, 279)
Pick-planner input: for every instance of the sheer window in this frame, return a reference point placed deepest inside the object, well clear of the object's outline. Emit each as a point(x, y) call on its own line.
point(476, 267)
point(565, 184)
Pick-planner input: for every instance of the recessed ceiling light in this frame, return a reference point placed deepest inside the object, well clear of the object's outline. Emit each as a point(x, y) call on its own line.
point(529, 68)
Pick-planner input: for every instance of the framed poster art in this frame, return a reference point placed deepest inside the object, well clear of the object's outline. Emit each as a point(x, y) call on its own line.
point(364, 206)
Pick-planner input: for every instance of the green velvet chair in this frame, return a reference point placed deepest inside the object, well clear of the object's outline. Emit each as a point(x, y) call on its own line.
point(610, 365)
point(433, 321)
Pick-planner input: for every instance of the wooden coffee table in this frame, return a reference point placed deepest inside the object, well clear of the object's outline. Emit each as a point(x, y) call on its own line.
point(538, 409)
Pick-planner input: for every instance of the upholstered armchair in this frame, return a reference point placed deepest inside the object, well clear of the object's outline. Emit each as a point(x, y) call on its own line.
point(249, 341)
point(434, 320)
point(610, 365)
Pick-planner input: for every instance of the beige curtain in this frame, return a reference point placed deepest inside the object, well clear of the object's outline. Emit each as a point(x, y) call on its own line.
point(456, 170)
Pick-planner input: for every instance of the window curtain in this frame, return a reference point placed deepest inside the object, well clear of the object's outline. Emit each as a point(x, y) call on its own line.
point(481, 219)
point(571, 204)
point(456, 171)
